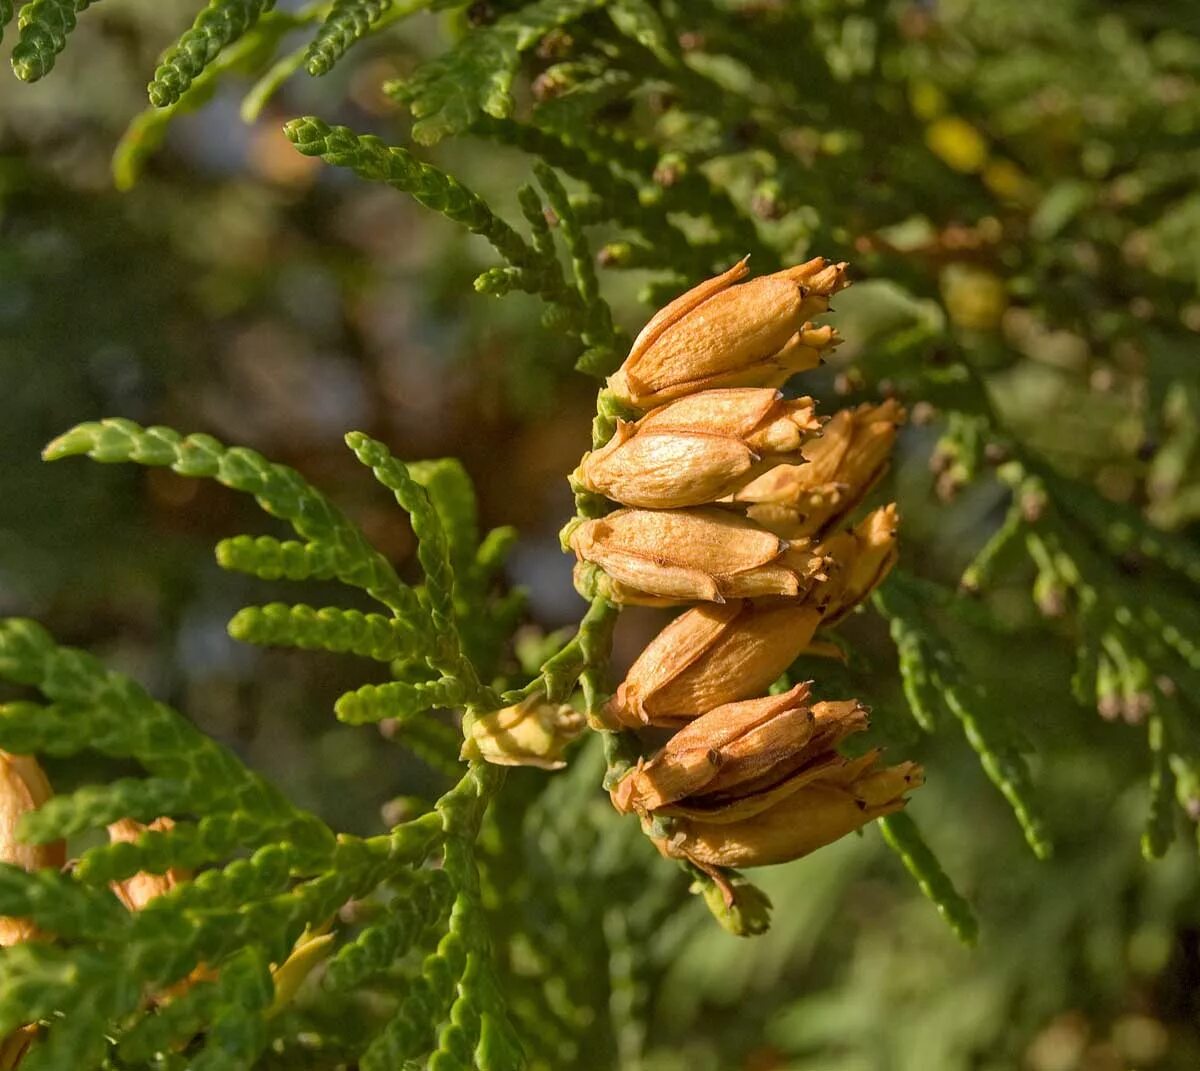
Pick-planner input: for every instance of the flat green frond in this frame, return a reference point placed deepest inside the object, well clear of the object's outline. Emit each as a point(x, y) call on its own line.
point(641, 22)
point(370, 158)
point(419, 903)
point(933, 683)
point(239, 1032)
point(60, 906)
point(219, 24)
point(347, 22)
point(95, 806)
point(399, 700)
point(269, 558)
point(904, 838)
point(453, 496)
point(447, 94)
point(329, 628)
point(279, 490)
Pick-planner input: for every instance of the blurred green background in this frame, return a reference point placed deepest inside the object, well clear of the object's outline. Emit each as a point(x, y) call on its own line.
point(1026, 174)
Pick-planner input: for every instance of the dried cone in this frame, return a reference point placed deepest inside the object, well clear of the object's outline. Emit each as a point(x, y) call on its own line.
point(136, 892)
point(15, 1045)
point(710, 656)
point(733, 745)
point(23, 788)
point(806, 812)
point(722, 335)
point(843, 464)
point(668, 556)
point(859, 559)
point(700, 448)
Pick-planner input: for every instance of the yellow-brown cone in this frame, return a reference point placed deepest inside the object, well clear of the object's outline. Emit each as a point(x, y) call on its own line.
point(722, 335)
point(136, 892)
point(700, 448)
point(23, 788)
point(843, 464)
point(798, 822)
point(712, 655)
point(731, 745)
point(694, 554)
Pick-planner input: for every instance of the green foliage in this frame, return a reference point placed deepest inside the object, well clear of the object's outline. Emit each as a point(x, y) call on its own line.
point(450, 93)
point(1034, 227)
point(222, 22)
point(273, 873)
point(44, 26)
point(347, 21)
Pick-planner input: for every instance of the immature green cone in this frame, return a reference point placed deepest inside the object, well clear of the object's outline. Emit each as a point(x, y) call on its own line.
point(23, 788)
point(843, 464)
point(709, 656)
point(662, 557)
point(721, 335)
point(699, 448)
point(533, 732)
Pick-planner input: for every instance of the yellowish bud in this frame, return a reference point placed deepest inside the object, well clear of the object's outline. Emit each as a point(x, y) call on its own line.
point(721, 335)
point(531, 733)
point(310, 950)
point(700, 448)
point(23, 788)
point(696, 554)
point(844, 463)
point(975, 298)
point(709, 656)
point(804, 815)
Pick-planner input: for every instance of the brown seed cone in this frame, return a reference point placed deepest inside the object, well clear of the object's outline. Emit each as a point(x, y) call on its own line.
point(699, 448)
point(843, 464)
point(817, 811)
point(731, 745)
point(709, 656)
point(696, 554)
point(721, 335)
point(23, 788)
point(136, 892)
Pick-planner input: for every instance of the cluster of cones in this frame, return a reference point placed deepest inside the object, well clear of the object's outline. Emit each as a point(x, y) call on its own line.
point(24, 787)
point(734, 501)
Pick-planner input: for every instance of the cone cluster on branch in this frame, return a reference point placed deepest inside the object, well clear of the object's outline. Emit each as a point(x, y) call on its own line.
point(24, 787)
point(735, 502)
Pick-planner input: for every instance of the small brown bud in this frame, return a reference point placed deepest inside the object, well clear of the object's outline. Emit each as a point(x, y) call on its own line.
point(721, 335)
